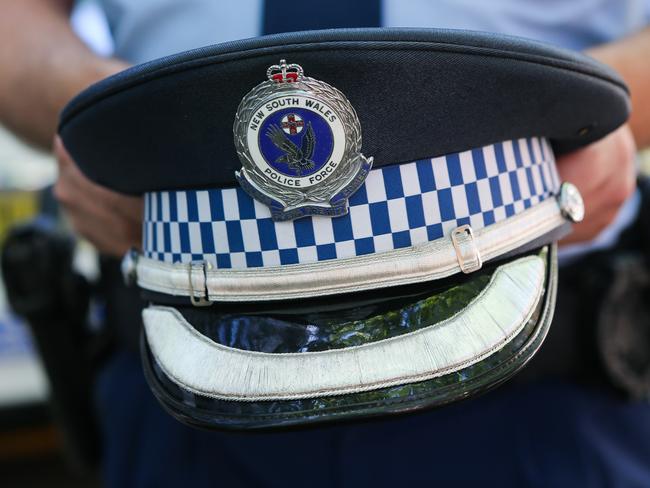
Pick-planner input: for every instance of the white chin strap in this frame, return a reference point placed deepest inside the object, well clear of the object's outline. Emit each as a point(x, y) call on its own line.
point(464, 250)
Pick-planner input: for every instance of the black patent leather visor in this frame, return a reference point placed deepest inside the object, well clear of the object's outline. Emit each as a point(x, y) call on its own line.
point(410, 320)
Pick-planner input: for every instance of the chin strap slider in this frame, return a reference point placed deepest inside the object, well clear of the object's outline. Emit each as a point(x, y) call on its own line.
point(198, 278)
point(467, 253)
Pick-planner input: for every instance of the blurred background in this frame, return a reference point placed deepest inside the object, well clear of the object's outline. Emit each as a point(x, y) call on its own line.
point(34, 449)
point(31, 447)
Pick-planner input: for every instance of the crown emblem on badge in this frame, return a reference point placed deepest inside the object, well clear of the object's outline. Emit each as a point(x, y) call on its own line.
point(284, 73)
point(299, 142)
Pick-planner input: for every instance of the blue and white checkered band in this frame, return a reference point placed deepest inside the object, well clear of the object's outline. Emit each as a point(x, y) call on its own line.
point(397, 206)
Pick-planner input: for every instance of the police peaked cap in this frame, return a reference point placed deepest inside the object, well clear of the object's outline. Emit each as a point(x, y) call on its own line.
point(345, 223)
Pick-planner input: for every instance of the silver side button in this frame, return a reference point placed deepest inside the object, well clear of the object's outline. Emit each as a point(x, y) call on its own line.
point(570, 201)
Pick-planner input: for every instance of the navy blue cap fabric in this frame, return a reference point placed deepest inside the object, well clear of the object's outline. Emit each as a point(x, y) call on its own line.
point(418, 93)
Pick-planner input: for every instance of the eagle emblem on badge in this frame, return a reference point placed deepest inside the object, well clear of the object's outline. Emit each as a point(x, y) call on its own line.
point(296, 158)
point(299, 142)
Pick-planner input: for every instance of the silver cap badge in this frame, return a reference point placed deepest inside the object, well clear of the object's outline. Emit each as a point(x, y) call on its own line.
point(299, 142)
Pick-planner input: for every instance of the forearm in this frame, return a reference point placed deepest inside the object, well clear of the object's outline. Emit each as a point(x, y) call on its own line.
point(43, 64)
point(631, 58)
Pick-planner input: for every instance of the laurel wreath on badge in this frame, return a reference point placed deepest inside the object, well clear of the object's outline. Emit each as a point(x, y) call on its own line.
point(299, 142)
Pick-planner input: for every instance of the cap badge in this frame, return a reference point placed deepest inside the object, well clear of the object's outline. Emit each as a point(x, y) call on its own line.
point(299, 142)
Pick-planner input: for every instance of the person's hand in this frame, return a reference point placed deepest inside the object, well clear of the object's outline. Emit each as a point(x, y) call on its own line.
point(109, 220)
point(605, 174)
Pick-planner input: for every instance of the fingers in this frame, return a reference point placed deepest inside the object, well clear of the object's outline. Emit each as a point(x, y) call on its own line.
point(115, 242)
point(605, 174)
point(111, 221)
point(589, 229)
